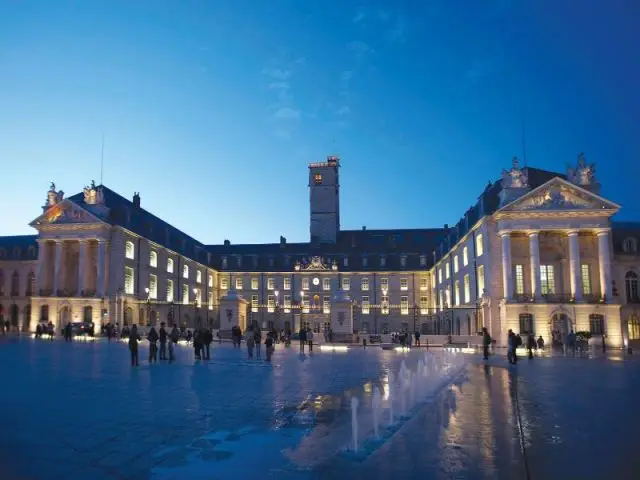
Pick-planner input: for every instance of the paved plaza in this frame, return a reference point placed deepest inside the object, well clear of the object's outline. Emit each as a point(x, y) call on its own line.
point(80, 411)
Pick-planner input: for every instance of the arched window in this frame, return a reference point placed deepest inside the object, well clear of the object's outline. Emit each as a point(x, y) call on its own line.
point(526, 324)
point(16, 253)
point(631, 284)
point(13, 315)
point(87, 314)
point(129, 249)
point(44, 313)
point(31, 252)
point(31, 284)
point(153, 259)
point(596, 324)
point(15, 284)
point(629, 245)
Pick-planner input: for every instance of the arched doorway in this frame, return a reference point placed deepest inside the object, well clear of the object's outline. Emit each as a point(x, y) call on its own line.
point(560, 325)
point(13, 316)
point(26, 318)
point(87, 314)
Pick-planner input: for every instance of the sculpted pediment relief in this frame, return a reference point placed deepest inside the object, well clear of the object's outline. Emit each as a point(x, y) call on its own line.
point(63, 213)
point(559, 195)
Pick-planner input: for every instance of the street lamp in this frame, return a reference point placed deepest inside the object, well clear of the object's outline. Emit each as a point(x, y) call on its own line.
point(415, 316)
point(195, 305)
point(146, 290)
point(277, 311)
point(301, 308)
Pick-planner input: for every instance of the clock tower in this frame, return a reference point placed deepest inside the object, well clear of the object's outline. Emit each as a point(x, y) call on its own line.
point(324, 200)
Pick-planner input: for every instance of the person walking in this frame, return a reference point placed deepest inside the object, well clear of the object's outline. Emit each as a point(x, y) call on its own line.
point(531, 344)
point(152, 336)
point(269, 346)
point(511, 346)
point(163, 342)
point(134, 338)
point(303, 338)
point(486, 342)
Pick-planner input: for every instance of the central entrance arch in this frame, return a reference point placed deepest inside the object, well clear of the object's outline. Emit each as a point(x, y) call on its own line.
point(560, 324)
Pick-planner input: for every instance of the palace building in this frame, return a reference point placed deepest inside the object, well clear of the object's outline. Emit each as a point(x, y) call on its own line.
point(537, 253)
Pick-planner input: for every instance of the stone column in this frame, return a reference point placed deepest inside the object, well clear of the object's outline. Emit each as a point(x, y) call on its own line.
point(42, 262)
point(57, 269)
point(574, 266)
point(82, 253)
point(100, 269)
point(534, 252)
point(605, 265)
point(507, 276)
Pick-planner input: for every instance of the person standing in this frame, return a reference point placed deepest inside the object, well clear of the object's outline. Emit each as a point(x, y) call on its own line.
point(163, 342)
point(133, 345)
point(207, 339)
point(152, 336)
point(531, 344)
point(417, 335)
point(67, 332)
point(173, 340)
point(269, 346)
point(257, 338)
point(250, 340)
point(486, 342)
point(303, 339)
point(310, 340)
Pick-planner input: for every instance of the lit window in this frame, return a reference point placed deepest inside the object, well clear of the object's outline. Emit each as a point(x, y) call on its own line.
point(424, 305)
point(254, 283)
point(404, 305)
point(287, 303)
point(365, 305)
point(305, 305)
point(364, 284)
point(403, 261)
point(596, 324)
point(526, 323)
point(153, 259)
point(271, 284)
point(424, 283)
point(326, 284)
point(239, 283)
point(185, 294)
point(404, 284)
point(224, 283)
point(271, 303)
point(447, 296)
point(210, 280)
point(129, 277)
point(479, 245)
point(305, 283)
point(198, 297)
point(170, 265)
point(129, 249)
point(586, 279)
point(519, 270)
point(457, 292)
point(447, 270)
point(423, 260)
point(287, 283)
point(441, 297)
point(326, 304)
point(198, 276)
point(223, 263)
point(210, 299)
point(317, 178)
point(384, 301)
point(440, 275)
point(455, 264)
point(384, 284)
point(467, 289)
point(465, 256)
point(547, 280)
point(169, 290)
point(481, 279)
point(254, 303)
point(153, 286)
point(346, 284)
point(345, 262)
point(185, 271)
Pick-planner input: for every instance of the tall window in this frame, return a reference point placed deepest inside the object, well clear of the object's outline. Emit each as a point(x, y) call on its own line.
point(271, 303)
point(169, 290)
point(631, 284)
point(185, 294)
point(364, 284)
point(479, 245)
point(129, 249)
point(153, 259)
point(271, 283)
point(346, 284)
point(239, 283)
point(254, 283)
point(519, 274)
point(223, 262)
point(384, 284)
point(210, 280)
point(15, 284)
point(31, 284)
point(440, 275)
point(586, 278)
point(467, 289)
point(404, 305)
point(326, 284)
point(153, 286)
point(455, 264)
point(365, 305)
point(365, 262)
point(457, 292)
point(326, 304)
point(424, 283)
point(305, 283)
point(198, 297)
point(404, 284)
point(424, 305)
point(447, 270)
point(224, 283)
point(547, 280)
point(1, 283)
point(287, 283)
point(128, 280)
point(480, 280)
point(210, 299)
point(198, 276)
point(403, 261)
point(185, 271)
point(629, 245)
point(384, 300)
point(170, 265)
point(254, 303)
point(447, 295)
point(465, 256)
point(287, 303)
point(526, 323)
point(596, 324)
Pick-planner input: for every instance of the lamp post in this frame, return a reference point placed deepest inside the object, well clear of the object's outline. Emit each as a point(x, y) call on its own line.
point(146, 290)
point(195, 306)
point(415, 316)
point(276, 310)
point(301, 308)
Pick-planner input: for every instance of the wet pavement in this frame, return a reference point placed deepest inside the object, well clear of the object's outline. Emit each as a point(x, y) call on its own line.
point(80, 411)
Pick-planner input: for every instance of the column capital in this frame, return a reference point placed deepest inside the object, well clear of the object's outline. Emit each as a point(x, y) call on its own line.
point(603, 231)
point(573, 233)
point(533, 233)
point(504, 233)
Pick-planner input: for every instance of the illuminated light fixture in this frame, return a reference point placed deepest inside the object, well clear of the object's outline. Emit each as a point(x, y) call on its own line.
point(334, 348)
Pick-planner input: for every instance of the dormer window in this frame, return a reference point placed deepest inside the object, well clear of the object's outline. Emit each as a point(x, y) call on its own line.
point(365, 261)
point(383, 261)
point(224, 262)
point(317, 178)
point(629, 245)
point(345, 261)
point(403, 261)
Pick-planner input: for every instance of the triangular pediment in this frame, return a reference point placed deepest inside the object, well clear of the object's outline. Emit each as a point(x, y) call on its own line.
point(65, 213)
point(558, 195)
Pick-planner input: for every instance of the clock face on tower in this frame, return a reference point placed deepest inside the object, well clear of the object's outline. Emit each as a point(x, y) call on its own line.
point(316, 281)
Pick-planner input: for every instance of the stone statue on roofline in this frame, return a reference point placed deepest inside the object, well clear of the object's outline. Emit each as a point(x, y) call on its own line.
point(584, 174)
point(54, 197)
point(515, 183)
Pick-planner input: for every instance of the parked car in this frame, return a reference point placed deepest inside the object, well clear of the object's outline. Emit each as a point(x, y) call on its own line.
point(82, 328)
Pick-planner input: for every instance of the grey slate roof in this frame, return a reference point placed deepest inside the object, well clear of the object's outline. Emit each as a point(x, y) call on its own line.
point(19, 247)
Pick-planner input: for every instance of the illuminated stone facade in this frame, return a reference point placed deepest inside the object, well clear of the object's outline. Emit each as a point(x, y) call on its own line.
point(537, 253)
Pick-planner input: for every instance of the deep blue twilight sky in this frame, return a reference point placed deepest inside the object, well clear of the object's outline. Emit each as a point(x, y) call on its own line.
point(212, 109)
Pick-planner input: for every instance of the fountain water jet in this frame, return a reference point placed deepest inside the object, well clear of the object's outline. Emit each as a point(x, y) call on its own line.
point(354, 422)
point(376, 404)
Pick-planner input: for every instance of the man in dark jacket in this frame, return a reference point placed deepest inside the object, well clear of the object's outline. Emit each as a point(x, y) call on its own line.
point(207, 338)
point(486, 342)
point(152, 336)
point(163, 342)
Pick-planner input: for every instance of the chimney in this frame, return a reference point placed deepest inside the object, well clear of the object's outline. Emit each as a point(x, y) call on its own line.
point(283, 241)
point(227, 243)
point(364, 227)
point(136, 199)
